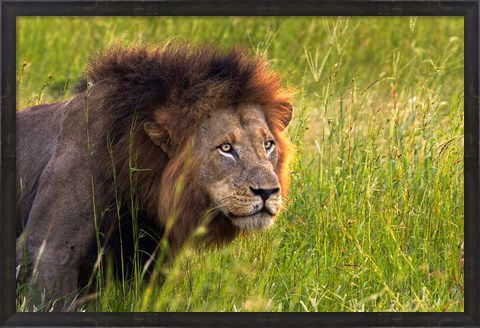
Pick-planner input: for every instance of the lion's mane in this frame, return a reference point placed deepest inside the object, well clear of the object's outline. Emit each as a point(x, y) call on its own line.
point(177, 85)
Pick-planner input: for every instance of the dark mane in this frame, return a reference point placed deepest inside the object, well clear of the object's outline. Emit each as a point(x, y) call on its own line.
point(187, 80)
point(174, 85)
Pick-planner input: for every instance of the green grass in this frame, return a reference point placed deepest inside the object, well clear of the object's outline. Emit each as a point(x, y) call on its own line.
point(375, 216)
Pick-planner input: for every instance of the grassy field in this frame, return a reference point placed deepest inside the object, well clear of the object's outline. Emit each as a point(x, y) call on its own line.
point(375, 217)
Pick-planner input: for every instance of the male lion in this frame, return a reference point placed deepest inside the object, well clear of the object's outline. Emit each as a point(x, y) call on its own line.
point(159, 139)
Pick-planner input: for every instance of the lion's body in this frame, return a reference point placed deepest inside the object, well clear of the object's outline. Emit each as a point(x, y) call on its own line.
point(49, 196)
point(166, 138)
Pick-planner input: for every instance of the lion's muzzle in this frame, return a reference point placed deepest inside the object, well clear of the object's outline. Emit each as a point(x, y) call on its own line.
point(265, 193)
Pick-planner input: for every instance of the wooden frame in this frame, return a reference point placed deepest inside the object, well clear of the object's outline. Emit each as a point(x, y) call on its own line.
point(469, 9)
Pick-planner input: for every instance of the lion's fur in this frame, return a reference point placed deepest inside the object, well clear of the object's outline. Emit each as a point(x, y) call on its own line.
point(175, 85)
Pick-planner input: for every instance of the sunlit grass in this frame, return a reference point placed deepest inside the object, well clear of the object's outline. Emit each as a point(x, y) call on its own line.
point(374, 220)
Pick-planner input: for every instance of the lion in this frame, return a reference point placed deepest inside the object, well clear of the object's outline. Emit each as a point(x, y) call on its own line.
point(162, 139)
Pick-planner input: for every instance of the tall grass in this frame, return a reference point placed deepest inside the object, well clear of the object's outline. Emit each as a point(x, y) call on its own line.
point(374, 220)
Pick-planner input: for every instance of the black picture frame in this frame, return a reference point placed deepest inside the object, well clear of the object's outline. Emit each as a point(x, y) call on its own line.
point(469, 9)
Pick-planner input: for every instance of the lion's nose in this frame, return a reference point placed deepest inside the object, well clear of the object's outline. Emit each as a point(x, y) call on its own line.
point(265, 193)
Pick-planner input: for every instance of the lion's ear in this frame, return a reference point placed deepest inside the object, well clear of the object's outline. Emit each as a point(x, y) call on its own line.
point(286, 114)
point(159, 137)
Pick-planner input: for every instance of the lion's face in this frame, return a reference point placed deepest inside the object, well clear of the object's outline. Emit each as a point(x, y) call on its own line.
point(239, 165)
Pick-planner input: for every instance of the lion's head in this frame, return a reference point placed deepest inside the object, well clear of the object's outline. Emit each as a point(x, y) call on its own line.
point(236, 168)
point(208, 126)
point(239, 168)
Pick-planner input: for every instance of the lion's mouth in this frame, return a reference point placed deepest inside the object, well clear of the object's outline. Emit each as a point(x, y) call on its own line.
point(262, 212)
point(255, 221)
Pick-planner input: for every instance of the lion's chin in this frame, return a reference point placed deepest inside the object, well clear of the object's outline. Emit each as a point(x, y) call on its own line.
point(258, 221)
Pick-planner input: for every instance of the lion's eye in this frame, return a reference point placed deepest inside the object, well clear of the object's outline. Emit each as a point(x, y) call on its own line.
point(226, 147)
point(268, 145)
